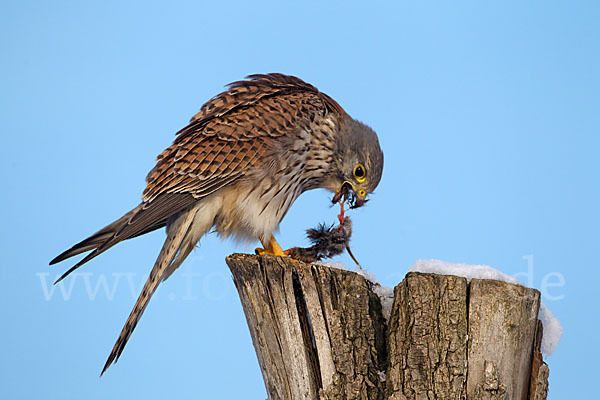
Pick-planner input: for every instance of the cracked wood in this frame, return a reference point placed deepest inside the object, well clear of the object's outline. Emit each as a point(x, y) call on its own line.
point(319, 333)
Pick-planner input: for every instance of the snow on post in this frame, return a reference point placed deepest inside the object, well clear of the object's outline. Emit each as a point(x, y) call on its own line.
point(327, 333)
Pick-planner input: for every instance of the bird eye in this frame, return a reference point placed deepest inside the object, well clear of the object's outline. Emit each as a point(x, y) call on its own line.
point(360, 173)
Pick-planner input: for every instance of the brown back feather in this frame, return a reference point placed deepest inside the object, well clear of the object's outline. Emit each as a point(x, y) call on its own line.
point(234, 131)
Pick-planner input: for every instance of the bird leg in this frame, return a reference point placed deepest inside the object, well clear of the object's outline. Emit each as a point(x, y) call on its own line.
point(270, 247)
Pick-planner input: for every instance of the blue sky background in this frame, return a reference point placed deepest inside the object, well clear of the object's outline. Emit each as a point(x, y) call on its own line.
point(488, 115)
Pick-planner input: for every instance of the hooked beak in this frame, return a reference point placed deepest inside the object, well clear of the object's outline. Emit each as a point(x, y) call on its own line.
point(347, 192)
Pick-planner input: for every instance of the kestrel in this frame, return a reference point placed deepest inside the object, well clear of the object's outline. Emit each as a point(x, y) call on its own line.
point(237, 167)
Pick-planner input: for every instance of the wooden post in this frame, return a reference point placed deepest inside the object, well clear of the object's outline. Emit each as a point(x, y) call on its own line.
point(320, 333)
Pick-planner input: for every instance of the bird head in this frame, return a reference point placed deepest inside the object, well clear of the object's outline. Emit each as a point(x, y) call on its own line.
point(357, 163)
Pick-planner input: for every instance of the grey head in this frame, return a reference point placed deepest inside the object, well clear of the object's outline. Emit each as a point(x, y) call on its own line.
point(357, 163)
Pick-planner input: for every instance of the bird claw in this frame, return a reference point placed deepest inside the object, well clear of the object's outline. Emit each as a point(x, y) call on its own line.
point(271, 247)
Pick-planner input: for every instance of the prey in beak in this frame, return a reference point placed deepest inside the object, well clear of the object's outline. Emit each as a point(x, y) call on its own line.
point(348, 194)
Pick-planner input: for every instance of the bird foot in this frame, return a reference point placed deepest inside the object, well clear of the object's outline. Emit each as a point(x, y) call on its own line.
point(271, 247)
point(272, 252)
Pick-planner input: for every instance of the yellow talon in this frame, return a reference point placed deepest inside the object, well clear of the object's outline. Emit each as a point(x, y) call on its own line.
point(271, 247)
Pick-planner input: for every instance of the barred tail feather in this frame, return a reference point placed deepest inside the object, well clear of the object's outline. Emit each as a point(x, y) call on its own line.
point(177, 243)
point(146, 217)
point(97, 239)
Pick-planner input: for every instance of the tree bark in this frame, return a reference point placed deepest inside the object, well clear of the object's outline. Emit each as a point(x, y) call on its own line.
point(320, 333)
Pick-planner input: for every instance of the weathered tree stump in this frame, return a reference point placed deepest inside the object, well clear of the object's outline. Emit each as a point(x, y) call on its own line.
point(320, 333)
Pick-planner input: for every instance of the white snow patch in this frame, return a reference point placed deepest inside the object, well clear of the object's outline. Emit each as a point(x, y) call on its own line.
point(552, 327)
point(552, 330)
point(386, 298)
point(464, 270)
point(331, 264)
point(368, 275)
